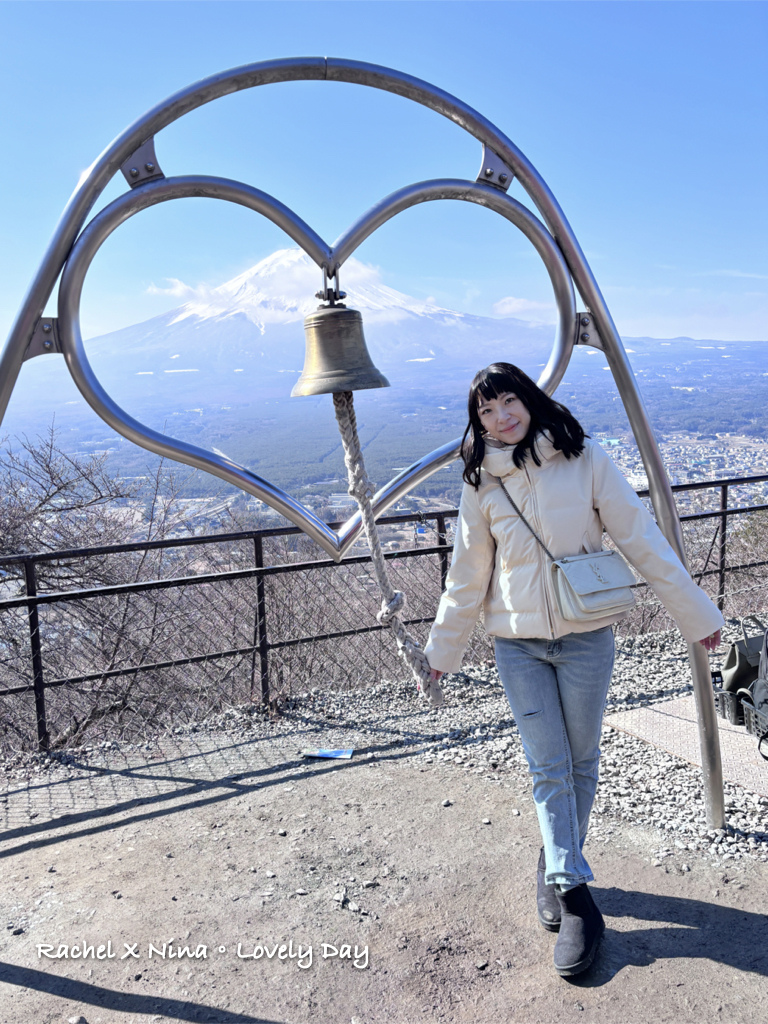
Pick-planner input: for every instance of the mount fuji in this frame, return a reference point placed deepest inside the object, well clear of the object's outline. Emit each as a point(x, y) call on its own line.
point(243, 343)
point(253, 325)
point(218, 370)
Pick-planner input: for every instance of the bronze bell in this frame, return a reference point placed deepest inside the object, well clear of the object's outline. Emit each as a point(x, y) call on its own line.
point(337, 357)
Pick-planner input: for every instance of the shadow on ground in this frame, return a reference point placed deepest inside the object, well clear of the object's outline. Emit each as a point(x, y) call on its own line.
point(682, 929)
point(176, 784)
point(119, 1002)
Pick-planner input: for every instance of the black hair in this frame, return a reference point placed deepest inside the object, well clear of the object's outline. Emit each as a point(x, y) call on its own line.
point(546, 414)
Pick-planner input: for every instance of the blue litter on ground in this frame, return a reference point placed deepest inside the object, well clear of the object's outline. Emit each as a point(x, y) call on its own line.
point(328, 753)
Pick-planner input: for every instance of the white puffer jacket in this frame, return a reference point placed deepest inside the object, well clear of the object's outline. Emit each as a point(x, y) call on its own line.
point(499, 568)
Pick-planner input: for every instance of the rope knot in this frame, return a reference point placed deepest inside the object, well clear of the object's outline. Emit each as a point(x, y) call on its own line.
point(362, 489)
point(391, 608)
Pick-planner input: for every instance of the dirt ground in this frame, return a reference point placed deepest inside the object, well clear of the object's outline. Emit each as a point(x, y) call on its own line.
point(389, 905)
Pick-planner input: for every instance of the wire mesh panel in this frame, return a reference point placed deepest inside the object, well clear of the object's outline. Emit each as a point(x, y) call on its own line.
point(18, 726)
point(146, 659)
point(316, 617)
point(746, 589)
point(130, 642)
point(322, 629)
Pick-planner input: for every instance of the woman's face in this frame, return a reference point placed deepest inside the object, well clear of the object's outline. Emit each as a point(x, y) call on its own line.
point(504, 418)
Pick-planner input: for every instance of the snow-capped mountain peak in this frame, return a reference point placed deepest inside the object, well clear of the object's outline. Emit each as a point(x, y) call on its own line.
point(282, 287)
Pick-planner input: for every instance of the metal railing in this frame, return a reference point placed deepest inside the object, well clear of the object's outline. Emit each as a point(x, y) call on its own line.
point(721, 534)
point(269, 609)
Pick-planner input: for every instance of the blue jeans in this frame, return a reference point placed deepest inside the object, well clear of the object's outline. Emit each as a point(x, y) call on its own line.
point(557, 691)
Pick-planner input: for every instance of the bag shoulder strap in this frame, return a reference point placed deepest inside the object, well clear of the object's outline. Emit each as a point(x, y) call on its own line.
point(514, 506)
point(751, 618)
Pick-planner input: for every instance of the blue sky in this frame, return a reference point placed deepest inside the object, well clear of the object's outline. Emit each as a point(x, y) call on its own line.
point(648, 121)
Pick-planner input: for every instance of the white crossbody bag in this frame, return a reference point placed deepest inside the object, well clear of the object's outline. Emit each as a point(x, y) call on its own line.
point(591, 586)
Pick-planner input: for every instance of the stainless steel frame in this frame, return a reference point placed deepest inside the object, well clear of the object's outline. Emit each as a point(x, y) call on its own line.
point(330, 259)
point(555, 241)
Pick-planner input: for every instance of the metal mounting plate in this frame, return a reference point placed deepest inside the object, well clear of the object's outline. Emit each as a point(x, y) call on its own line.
point(45, 339)
point(142, 165)
point(587, 332)
point(493, 170)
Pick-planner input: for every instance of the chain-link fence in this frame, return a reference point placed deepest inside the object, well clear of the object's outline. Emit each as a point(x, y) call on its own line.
point(126, 640)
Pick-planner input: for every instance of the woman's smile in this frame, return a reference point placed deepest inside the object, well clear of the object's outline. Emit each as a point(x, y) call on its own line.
point(504, 418)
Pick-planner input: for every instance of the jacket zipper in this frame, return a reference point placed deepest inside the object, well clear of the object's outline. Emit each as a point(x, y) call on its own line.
point(542, 556)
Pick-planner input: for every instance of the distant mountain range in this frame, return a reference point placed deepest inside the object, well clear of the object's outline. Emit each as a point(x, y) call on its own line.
point(218, 370)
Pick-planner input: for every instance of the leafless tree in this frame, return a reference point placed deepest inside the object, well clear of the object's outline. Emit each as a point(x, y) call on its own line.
point(152, 659)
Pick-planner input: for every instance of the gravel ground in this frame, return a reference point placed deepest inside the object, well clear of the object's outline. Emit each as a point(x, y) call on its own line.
point(420, 850)
point(475, 732)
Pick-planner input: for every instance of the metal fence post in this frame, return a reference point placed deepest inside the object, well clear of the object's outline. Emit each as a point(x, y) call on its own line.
point(43, 739)
point(722, 547)
point(260, 624)
point(442, 540)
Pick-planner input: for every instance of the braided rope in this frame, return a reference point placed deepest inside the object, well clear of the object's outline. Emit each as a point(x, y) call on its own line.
point(393, 603)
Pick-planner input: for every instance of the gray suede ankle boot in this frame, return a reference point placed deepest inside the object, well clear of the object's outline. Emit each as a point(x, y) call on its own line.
point(546, 900)
point(581, 927)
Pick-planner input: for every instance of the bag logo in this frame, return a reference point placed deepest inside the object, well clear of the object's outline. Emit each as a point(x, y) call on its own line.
point(596, 571)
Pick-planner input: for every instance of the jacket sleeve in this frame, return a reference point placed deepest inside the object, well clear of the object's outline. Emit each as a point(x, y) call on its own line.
point(642, 543)
point(466, 585)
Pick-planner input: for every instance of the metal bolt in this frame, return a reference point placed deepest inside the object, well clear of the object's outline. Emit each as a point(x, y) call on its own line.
point(47, 343)
point(585, 321)
point(489, 172)
point(149, 166)
point(502, 178)
point(47, 328)
point(585, 336)
point(134, 172)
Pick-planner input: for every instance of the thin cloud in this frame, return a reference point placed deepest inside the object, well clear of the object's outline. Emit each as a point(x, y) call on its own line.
point(733, 273)
point(511, 306)
point(177, 289)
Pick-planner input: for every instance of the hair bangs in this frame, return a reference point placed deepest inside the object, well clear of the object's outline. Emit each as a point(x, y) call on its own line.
point(492, 382)
point(547, 415)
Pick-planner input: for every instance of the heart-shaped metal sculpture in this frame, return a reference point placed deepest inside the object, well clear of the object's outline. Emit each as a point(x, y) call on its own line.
point(133, 154)
point(328, 258)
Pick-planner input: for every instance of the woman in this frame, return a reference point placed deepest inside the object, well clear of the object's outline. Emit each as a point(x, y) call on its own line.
point(555, 672)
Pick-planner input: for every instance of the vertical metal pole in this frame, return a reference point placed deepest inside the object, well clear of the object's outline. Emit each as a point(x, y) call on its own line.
point(442, 540)
point(260, 626)
point(255, 636)
point(709, 738)
point(722, 551)
point(43, 739)
point(669, 523)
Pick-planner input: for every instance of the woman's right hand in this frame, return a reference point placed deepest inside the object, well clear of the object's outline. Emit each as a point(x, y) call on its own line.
point(712, 642)
point(435, 675)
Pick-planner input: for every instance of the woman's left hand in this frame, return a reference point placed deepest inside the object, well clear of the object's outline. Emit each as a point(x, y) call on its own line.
point(711, 642)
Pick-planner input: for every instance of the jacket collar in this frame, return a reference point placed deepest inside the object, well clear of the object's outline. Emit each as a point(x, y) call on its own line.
point(498, 456)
